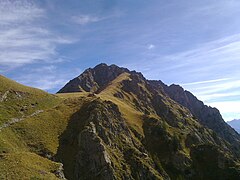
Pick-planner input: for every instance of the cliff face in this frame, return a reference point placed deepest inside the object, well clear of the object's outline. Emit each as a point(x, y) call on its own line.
point(92, 80)
point(105, 147)
point(136, 129)
point(207, 116)
point(98, 78)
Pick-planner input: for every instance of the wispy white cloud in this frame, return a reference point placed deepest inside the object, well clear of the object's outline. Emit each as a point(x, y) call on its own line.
point(217, 87)
point(86, 19)
point(23, 37)
point(229, 109)
point(223, 94)
point(227, 106)
point(18, 12)
point(49, 78)
point(215, 55)
point(217, 59)
point(212, 9)
point(205, 82)
point(150, 46)
point(47, 83)
point(210, 71)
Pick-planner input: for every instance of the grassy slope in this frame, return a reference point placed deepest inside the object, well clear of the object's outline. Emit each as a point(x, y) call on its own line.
point(26, 165)
point(133, 117)
point(17, 101)
point(22, 143)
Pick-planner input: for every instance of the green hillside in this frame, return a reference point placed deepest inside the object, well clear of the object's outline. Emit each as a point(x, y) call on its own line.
point(31, 121)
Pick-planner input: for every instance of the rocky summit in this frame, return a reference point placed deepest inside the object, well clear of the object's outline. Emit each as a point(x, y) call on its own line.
point(112, 123)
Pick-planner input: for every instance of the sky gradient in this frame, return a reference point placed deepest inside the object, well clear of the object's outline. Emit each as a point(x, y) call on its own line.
point(194, 43)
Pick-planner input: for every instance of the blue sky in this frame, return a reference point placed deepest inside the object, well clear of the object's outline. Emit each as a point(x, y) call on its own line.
point(45, 43)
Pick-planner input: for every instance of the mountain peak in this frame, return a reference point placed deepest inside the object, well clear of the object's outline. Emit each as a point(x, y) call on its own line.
point(94, 79)
point(101, 65)
point(176, 88)
point(101, 77)
point(105, 67)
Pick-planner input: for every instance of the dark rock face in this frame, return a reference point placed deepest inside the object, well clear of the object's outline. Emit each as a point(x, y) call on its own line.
point(93, 79)
point(105, 147)
point(92, 156)
point(59, 172)
point(208, 159)
point(207, 116)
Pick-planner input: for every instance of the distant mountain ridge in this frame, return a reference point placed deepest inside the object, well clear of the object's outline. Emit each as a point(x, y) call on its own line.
point(112, 123)
point(235, 124)
point(174, 106)
point(97, 78)
point(207, 116)
point(171, 104)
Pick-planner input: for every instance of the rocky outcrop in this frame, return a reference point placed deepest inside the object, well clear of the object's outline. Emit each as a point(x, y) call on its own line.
point(16, 120)
point(59, 172)
point(92, 159)
point(12, 94)
point(93, 79)
point(207, 116)
point(208, 159)
point(106, 147)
